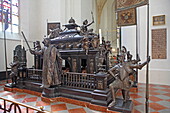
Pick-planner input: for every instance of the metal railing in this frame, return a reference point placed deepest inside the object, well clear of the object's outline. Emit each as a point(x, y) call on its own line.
point(17, 107)
point(79, 80)
point(34, 74)
point(71, 79)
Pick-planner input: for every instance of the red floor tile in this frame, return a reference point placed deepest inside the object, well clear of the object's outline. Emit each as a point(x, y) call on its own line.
point(23, 110)
point(164, 86)
point(59, 107)
point(152, 85)
point(136, 103)
point(19, 96)
point(41, 103)
point(135, 96)
point(135, 111)
point(31, 99)
point(167, 90)
point(153, 93)
point(141, 84)
point(2, 91)
point(168, 100)
point(157, 106)
point(1, 84)
point(155, 99)
point(152, 89)
point(77, 110)
point(134, 90)
point(167, 94)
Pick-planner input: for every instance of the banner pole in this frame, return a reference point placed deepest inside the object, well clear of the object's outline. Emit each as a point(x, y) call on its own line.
point(137, 52)
point(147, 66)
point(6, 73)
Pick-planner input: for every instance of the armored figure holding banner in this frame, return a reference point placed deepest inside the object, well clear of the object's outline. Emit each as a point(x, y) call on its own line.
point(51, 64)
point(121, 73)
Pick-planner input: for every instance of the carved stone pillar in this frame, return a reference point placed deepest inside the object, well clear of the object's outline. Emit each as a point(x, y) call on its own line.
point(101, 95)
point(101, 79)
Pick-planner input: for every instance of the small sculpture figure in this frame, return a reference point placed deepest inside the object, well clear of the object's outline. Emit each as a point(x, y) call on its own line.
point(95, 42)
point(102, 56)
point(121, 73)
point(86, 44)
point(14, 69)
point(51, 64)
point(103, 41)
point(37, 46)
point(108, 46)
point(83, 29)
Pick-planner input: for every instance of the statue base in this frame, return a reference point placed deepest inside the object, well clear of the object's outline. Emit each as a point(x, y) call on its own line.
point(10, 85)
point(121, 106)
point(51, 92)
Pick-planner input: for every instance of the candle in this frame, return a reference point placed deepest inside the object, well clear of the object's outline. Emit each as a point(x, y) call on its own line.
point(22, 43)
point(100, 35)
point(63, 63)
point(117, 42)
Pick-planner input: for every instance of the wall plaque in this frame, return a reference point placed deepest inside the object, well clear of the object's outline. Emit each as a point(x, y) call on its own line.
point(159, 20)
point(159, 46)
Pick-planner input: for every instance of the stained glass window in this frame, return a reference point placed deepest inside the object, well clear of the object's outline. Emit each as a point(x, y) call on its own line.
point(9, 11)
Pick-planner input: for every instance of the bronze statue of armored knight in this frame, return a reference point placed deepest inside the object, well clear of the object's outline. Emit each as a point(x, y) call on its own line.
point(14, 70)
point(121, 73)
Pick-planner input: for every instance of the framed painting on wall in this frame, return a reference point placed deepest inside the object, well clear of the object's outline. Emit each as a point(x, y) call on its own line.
point(127, 17)
point(159, 20)
point(52, 26)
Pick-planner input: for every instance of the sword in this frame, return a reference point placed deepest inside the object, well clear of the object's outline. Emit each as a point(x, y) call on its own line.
point(25, 40)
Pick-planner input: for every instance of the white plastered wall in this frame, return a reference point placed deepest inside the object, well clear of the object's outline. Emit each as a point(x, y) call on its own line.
point(159, 69)
point(108, 22)
point(26, 25)
point(33, 22)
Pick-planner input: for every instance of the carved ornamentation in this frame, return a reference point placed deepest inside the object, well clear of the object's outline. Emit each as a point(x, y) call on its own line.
point(126, 4)
point(127, 17)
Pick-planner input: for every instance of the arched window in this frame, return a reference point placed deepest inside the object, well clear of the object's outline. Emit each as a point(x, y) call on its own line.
point(9, 15)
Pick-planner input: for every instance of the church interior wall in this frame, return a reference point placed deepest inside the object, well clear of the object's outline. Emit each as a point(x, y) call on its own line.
point(33, 22)
point(159, 69)
point(107, 23)
point(34, 16)
point(27, 20)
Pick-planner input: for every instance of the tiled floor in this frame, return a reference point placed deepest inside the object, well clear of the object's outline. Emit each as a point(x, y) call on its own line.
point(159, 100)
